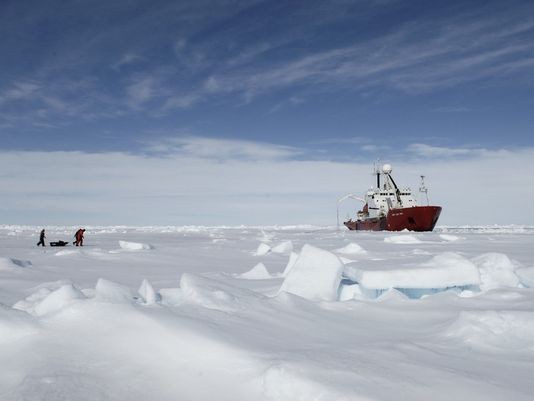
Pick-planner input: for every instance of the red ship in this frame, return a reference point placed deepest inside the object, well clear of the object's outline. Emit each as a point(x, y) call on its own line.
point(387, 207)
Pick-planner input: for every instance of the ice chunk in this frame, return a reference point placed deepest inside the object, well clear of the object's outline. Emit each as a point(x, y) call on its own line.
point(526, 276)
point(258, 272)
point(346, 261)
point(58, 299)
point(40, 292)
point(391, 295)
point(351, 249)
point(283, 247)
point(402, 239)
point(263, 249)
point(148, 294)
point(11, 263)
point(171, 296)
point(266, 237)
point(290, 263)
point(108, 291)
point(496, 270)
point(348, 292)
point(444, 270)
point(134, 246)
point(315, 275)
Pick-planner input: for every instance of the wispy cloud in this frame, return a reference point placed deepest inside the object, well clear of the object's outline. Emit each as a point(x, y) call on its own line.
point(126, 59)
point(210, 53)
point(452, 109)
point(222, 149)
point(429, 151)
point(418, 57)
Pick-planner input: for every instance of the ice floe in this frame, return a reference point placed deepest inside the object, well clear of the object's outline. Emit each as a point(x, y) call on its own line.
point(442, 271)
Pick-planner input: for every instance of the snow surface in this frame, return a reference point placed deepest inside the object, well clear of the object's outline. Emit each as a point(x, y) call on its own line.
point(449, 316)
point(12, 263)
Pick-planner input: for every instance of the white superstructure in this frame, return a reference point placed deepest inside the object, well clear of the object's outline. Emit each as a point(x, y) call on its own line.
point(386, 195)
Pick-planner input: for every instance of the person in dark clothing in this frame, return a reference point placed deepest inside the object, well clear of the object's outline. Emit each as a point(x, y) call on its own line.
point(79, 237)
point(42, 237)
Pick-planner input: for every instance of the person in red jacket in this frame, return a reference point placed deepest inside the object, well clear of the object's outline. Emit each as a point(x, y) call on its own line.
point(79, 237)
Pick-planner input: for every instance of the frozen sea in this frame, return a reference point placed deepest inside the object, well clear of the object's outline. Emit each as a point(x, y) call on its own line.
point(267, 313)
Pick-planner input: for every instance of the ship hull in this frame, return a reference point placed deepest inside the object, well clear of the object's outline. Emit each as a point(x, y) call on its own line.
point(417, 218)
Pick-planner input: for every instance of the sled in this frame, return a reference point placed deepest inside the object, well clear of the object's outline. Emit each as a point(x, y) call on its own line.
point(58, 243)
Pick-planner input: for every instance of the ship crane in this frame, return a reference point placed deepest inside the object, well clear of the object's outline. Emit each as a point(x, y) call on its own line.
point(344, 198)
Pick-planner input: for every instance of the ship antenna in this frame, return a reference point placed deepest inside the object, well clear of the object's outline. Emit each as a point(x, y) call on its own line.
point(424, 189)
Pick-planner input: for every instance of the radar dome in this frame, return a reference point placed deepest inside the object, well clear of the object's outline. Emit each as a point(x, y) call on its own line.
point(386, 168)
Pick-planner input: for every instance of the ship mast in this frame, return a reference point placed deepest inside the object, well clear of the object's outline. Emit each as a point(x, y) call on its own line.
point(377, 173)
point(424, 189)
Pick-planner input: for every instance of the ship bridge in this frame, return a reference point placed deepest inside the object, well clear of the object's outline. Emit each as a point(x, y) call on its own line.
point(387, 195)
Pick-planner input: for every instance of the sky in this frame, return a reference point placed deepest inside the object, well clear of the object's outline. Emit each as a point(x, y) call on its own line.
point(262, 112)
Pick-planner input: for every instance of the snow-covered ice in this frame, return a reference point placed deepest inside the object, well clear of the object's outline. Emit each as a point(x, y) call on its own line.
point(258, 272)
point(526, 276)
point(263, 249)
point(496, 270)
point(193, 313)
point(405, 239)
point(442, 271)
point(351, 249)
point(283, 247)
point(134, 246)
